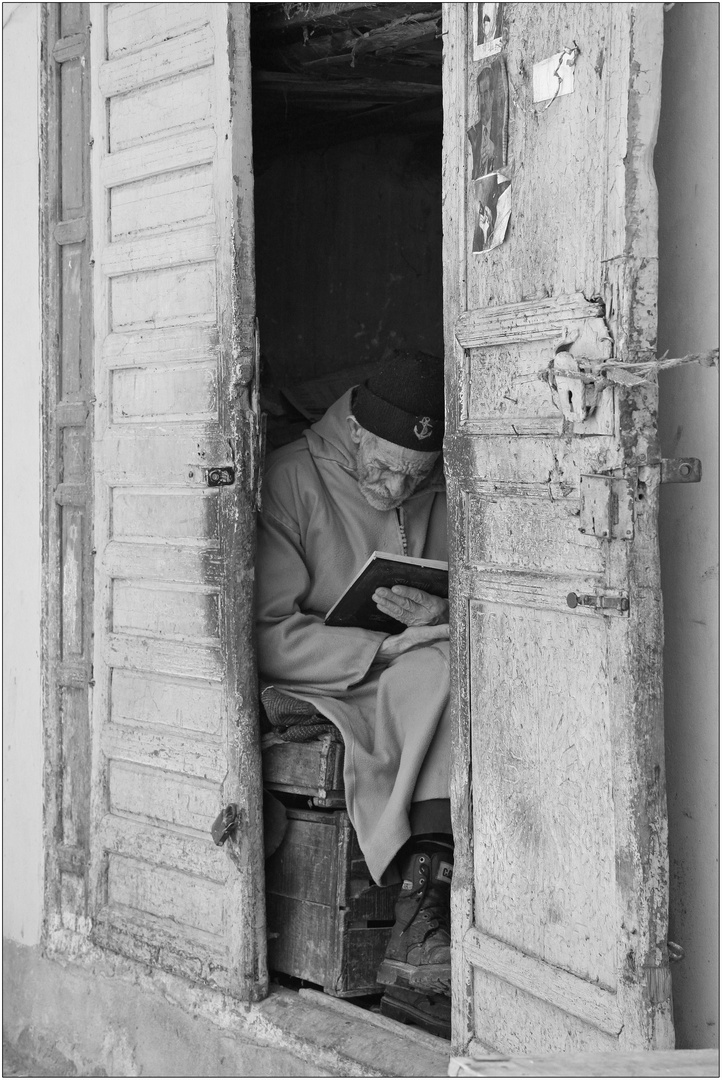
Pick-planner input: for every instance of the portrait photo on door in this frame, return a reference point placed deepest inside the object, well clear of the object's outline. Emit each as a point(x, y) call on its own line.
point(488, 135)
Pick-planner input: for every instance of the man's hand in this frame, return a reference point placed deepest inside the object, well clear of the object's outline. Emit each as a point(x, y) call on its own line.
point(396, 644)
point(412, 607)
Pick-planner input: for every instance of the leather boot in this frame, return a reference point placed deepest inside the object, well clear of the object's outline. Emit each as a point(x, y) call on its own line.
point(418, 955)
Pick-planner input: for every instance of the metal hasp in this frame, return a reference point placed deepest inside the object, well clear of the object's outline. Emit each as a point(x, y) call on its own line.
point(606, 507)
point(686, 470)
point(606, 503)
point(599, 602)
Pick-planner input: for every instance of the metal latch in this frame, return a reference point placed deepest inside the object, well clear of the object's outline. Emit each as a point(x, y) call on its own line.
point(598, 601)
point(606, 506)
point(686, 470)
point(224, 824)
point(220, 477)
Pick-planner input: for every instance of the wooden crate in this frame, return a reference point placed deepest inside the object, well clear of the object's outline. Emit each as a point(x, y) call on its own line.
point(327, 921)
point(307, 768)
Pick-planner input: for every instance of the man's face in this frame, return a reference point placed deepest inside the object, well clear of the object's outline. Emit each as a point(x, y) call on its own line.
point(485, 98)
point(388, 474)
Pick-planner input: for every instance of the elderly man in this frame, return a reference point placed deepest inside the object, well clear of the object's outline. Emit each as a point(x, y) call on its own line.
point(368, 477)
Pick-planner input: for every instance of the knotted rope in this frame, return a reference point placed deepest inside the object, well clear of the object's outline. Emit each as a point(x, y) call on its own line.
point(625, 372)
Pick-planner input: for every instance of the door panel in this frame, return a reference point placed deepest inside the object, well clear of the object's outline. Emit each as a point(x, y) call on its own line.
point(175, 721)
point(560, 890)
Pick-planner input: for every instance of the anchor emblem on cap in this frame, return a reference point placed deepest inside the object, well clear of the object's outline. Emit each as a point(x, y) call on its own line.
point(422, 430)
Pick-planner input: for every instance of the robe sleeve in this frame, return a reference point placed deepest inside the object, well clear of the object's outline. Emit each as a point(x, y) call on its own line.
point(295, 647)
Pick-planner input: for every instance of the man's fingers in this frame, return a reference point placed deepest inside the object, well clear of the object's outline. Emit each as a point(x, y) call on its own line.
point(391, 599)
point(391, 608)
point(415, 595)
point(399, 614)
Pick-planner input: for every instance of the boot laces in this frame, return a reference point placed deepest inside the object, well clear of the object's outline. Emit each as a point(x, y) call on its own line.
point(436, 911)
point(432, 907)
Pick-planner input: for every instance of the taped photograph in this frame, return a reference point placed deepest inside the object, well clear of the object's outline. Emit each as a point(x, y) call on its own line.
point(488, 25)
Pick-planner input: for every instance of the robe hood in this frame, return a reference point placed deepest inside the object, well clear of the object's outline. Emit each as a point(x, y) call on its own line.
point(330, 440)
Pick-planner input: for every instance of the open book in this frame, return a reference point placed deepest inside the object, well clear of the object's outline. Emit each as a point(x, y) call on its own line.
point(383, 570)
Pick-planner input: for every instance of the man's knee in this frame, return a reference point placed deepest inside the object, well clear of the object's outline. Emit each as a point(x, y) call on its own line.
point(420, 676)
point(433, 658)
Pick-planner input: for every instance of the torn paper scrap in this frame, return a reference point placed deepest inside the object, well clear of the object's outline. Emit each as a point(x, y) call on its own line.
point(554, 77)
point(491, 205)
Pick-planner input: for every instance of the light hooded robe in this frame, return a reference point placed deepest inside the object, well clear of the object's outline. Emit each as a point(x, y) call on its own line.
point(316, 530)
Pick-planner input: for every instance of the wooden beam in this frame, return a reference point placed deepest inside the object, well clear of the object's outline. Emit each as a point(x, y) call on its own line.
point(398, 34)
point(349, 46)
point(271, 18)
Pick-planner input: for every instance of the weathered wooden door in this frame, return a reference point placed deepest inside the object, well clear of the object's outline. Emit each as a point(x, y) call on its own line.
point(174, 712)
point(560, 892)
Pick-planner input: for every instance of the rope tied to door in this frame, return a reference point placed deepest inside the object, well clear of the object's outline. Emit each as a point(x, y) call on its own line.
point(625, 372)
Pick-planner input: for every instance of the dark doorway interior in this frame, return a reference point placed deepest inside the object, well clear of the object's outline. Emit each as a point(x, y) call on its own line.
point(347, 161)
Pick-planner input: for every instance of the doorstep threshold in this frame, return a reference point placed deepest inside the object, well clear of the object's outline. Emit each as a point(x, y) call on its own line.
point(414, 1034)
point(350, 1041)
point(343, 1039)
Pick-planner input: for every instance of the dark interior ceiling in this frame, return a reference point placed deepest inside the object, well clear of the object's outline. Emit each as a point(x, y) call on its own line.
point(338, 72)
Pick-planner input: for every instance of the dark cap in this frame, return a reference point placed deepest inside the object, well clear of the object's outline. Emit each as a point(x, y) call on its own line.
point(403, 401)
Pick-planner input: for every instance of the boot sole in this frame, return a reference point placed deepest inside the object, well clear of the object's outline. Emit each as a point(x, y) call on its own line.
point(407, 1014)
point(434, 977)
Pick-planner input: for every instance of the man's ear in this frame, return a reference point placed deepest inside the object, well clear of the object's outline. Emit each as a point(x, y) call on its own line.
point(355, 429)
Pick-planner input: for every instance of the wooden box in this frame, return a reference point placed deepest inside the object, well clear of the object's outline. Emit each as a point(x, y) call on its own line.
point(306, 768)
point(327, 920)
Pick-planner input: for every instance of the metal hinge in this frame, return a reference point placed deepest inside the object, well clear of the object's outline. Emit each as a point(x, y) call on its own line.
point(224, 824)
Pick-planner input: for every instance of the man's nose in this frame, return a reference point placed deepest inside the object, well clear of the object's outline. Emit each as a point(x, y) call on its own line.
point(396, 484)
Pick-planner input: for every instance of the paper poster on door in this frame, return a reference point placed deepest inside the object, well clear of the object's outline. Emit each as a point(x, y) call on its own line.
point(488, 136)
point(488, 26)
point(490, 195)
point(491, 207)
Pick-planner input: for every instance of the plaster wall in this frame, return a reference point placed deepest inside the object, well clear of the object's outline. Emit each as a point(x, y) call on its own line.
point(22, 728)
point(687, 168)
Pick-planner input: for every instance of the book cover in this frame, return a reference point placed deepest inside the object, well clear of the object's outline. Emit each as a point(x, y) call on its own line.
point(383, 570)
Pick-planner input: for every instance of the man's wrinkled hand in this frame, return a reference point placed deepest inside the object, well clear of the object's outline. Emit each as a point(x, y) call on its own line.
point(396, 644)
point(412, 607)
